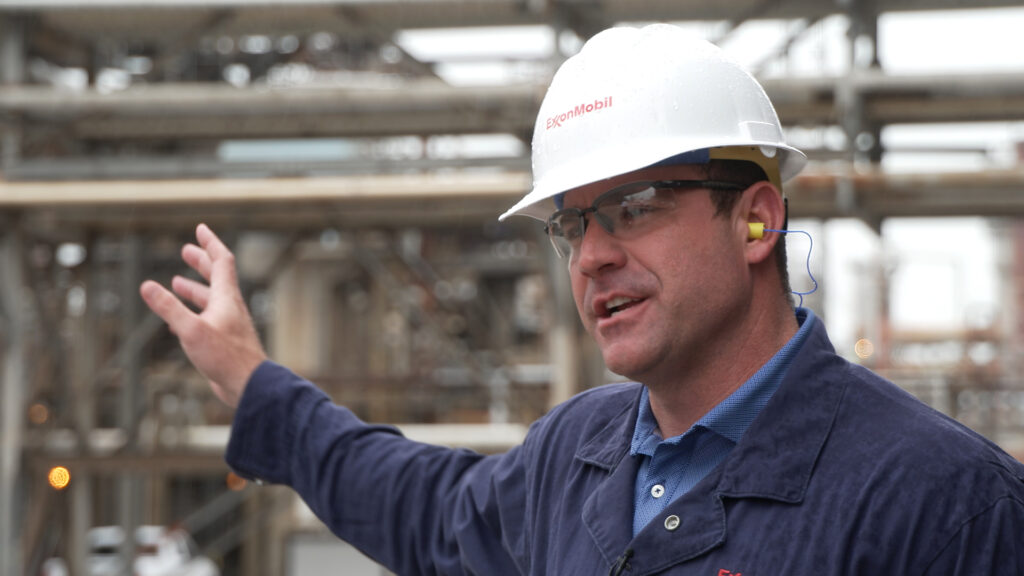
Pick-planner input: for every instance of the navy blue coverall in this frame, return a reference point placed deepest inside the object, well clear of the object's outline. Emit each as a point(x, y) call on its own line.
point(842, 473)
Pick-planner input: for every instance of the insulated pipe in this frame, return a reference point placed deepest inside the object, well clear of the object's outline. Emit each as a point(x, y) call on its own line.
point(12, 396)
point(14, 382)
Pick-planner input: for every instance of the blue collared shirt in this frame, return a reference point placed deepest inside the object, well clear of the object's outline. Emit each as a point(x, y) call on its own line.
point(670, 467)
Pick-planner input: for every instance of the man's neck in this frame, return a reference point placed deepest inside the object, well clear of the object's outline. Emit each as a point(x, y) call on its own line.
point(719, 370)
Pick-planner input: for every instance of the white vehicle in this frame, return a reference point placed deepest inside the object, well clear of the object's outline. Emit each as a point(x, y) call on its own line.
point(158, 552)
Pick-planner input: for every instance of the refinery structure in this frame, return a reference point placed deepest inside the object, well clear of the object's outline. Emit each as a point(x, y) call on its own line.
point(355, 154)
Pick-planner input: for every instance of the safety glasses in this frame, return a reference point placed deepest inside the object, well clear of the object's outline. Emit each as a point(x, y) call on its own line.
point(625, 212)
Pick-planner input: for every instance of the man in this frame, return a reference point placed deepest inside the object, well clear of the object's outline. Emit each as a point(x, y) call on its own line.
point(746, 445)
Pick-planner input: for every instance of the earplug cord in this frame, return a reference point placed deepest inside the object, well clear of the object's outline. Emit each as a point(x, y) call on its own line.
point(809, 273)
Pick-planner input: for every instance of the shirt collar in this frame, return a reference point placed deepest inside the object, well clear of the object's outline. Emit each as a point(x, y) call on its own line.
point(732, 416)
point(777, 456)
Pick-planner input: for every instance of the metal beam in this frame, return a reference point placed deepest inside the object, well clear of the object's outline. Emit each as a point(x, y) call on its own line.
point(181, 112)
point(182, 43)
point(458, 199)
point(355, 201)
point(384, 35)
point(813, 194)
point(890, 99)
point(184, 167)
point(371, 93)
point(202, 448)
point(784, 47)
point(389, 191)
point(458, 11)
point(992, 194)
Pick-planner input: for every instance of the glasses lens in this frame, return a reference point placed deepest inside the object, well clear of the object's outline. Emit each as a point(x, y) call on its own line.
point(565, 228)
point(626, 210)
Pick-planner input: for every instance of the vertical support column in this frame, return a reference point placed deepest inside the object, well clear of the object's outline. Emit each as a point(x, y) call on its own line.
point(1009, 242)
point(499, 387)
point(253, 559)
point(85, 365)
point(563, 340)
point(129, 486)
point(12, 396)
point(871, 145)
point(12, 72)
point(277, 527)
point(297, 317)
point(862, 136)
point(79, 522)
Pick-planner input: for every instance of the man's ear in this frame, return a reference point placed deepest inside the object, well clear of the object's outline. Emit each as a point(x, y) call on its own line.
point(761, 208)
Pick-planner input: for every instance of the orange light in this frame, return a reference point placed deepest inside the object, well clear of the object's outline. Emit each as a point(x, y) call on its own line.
point(59, 477)
point(38, 413)
point(864, 348)
point(235, 482)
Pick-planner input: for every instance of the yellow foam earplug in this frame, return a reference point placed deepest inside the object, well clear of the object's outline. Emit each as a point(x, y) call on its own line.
point(756, 230)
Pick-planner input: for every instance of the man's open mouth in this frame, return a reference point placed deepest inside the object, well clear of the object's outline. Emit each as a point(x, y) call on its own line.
point(616, 305)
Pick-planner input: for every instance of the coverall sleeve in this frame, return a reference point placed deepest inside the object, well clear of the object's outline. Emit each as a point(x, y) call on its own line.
point(989, 544)
point(416, 508)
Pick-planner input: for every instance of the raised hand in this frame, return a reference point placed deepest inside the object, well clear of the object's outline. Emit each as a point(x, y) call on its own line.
point(220, 340)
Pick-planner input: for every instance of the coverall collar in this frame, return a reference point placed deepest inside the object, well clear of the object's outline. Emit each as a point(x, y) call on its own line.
point(773, 460)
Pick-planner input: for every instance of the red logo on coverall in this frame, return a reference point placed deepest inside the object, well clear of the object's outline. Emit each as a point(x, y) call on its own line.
point(579, 110)
point(724, 572)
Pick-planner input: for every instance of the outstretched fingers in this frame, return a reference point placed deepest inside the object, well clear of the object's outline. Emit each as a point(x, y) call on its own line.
point(178, 317)
point(211, 243)
point(222, 273)
point(197, 259)
point(195, 292)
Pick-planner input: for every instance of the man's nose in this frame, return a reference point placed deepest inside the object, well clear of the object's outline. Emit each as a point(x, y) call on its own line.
point(598, 250)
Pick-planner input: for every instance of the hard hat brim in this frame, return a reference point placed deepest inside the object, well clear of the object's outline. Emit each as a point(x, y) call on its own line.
point(539, 203)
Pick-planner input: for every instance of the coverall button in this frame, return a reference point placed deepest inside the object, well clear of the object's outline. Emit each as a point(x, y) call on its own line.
point(657, 491)
point(671, 523)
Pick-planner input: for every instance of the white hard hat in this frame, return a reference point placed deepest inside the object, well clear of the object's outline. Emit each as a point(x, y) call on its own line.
point(635, 97)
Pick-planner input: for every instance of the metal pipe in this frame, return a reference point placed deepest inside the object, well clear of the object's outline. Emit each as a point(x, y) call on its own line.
point(14, 384)
point(12, 73)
